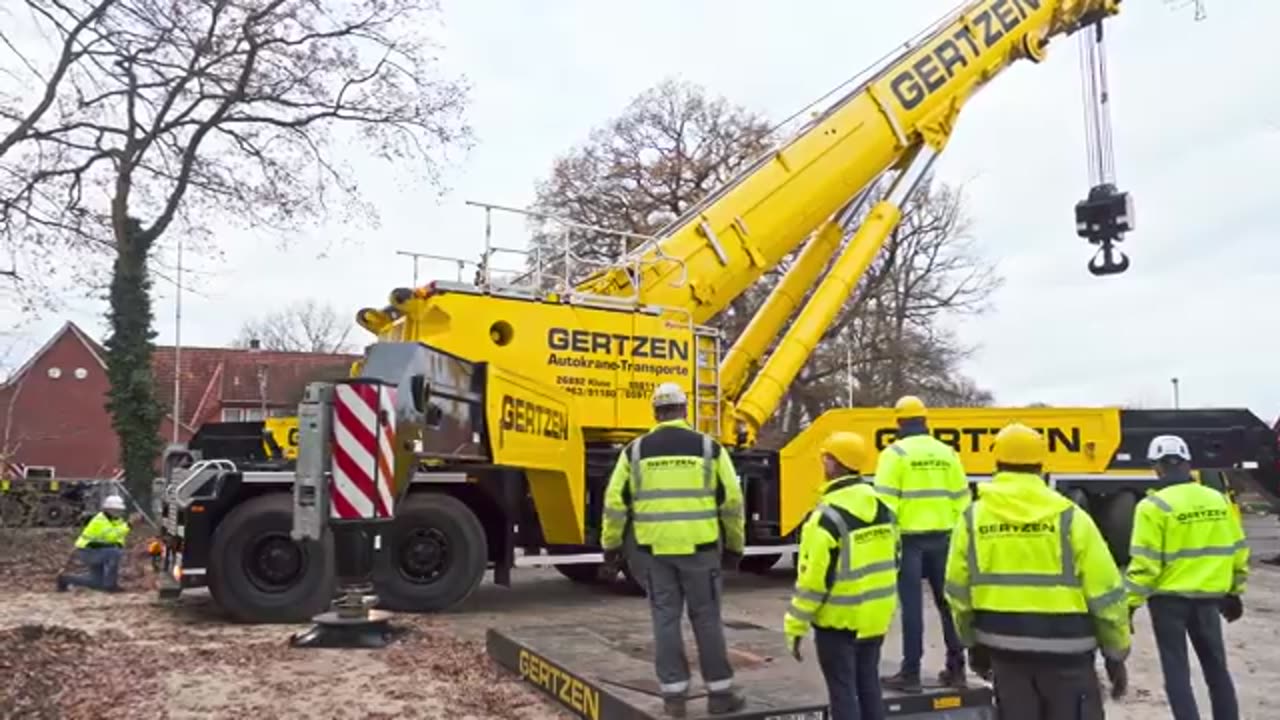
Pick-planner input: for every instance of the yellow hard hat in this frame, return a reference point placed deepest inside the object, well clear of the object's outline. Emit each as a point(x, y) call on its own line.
point(909, 406)
point(1017, 444)
point(849, 448)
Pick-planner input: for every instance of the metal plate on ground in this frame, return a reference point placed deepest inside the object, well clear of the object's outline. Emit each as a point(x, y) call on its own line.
point(606, 673)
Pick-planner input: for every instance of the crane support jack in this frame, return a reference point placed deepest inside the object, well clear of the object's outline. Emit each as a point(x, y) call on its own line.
point(345, 485)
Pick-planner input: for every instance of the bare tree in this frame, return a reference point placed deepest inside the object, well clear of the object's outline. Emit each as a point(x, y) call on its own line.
point(673, 145)
point(306, 326)
point(155, 114)
point(201, 112)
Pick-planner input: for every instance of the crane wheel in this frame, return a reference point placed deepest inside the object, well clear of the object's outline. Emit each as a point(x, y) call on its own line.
point(1116, 523)
point(758, 564)
point(258, 574)
point(1079, 497)
point(433, 556)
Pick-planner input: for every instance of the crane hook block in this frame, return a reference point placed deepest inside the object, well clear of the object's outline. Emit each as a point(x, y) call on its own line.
point(1103, 218)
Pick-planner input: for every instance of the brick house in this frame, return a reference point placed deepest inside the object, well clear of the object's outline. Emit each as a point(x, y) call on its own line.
point(53, 422)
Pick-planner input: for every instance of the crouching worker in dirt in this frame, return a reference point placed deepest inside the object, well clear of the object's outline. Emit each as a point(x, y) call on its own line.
point(100, 547)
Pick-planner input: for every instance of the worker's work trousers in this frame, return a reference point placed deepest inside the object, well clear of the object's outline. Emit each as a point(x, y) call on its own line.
point(1175, 620)
point(104, 568)
point(1046, 689)
point(672, 581)
point(924, 557)
point(851, 668)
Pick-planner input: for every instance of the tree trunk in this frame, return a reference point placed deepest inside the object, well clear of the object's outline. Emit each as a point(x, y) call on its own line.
point(135, 415)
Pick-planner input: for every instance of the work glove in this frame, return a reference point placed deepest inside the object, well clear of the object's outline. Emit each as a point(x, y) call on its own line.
point(613, 557)
point(1231, 608)
point(1119, 678)
point(980, 662)
point(729, 560)
point(793, 646)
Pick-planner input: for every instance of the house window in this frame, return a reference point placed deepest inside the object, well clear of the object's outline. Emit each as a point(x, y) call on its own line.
point(254, 414)
point(39, 471)
point(232, 414)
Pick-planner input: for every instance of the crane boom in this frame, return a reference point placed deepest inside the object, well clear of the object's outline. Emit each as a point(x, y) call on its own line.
point(725, 244)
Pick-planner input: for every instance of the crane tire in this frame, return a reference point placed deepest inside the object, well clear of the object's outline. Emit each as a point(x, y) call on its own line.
point(1116, 523)
point(1079, 497)
point(433, 556)
point(258, 574)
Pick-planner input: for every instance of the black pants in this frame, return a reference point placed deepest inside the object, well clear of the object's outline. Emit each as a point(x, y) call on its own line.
point(851, 668)
point(1175, 619)
point(924, 557)
point(1046, 689)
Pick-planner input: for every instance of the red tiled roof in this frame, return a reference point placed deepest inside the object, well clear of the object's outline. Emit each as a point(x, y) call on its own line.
point(213, 377)
point(219, 376)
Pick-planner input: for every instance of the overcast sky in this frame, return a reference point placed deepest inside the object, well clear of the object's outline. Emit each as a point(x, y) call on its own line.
point(1197, 138)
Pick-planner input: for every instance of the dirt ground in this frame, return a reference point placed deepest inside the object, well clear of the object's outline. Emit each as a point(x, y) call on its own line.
point(89, 655)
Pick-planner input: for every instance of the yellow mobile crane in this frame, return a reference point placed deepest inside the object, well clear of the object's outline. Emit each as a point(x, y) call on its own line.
point(508, 404)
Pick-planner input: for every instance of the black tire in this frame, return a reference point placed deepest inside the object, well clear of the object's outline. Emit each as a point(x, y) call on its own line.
point(1116, 523)
point(432, 557)
point(1079, 497)
point(758, 564)
point(258, 574)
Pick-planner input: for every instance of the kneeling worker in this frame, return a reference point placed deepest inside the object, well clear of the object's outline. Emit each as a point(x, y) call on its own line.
point(846, 582)
point(1035, 591)
point(100, 547)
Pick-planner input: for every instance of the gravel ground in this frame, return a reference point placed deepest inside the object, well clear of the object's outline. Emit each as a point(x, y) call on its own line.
point(89, 655)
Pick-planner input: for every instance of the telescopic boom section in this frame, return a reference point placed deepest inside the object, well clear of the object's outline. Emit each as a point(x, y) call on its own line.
point(723, 245)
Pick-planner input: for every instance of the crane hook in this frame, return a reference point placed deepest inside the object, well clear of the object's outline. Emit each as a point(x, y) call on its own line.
point(1113, 262)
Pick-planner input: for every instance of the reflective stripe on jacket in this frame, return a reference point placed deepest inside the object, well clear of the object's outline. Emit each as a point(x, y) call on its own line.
point(1028, 572)
point(102, 531)
point(667, 483)
point(1186, 542)
point(848, 565)
point(924, 483)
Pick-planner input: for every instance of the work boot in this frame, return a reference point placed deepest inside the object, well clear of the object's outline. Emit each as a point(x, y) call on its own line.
point(902, 682)
point(61, 583)
point(673, 705)
point(953, 676)
point(723, 703)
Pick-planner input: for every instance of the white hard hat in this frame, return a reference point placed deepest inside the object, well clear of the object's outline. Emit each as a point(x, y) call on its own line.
point(1163, 446)
point(113, 502)
point(669, 393)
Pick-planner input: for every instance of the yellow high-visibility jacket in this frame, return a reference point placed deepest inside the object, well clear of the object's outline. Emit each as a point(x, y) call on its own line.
point(1028, 571)
point(924, 483)
point(1186, 542)
point(679, 489)
point(848, 565)
point(102, 531)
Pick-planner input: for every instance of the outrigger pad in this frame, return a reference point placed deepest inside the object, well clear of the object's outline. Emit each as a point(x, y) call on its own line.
point(606, 673)
point(333, 631)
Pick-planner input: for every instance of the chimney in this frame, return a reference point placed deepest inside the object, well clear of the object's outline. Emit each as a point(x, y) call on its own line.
point(255, 344)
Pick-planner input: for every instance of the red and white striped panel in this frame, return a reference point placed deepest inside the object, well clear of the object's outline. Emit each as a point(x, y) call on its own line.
point(363, 460)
